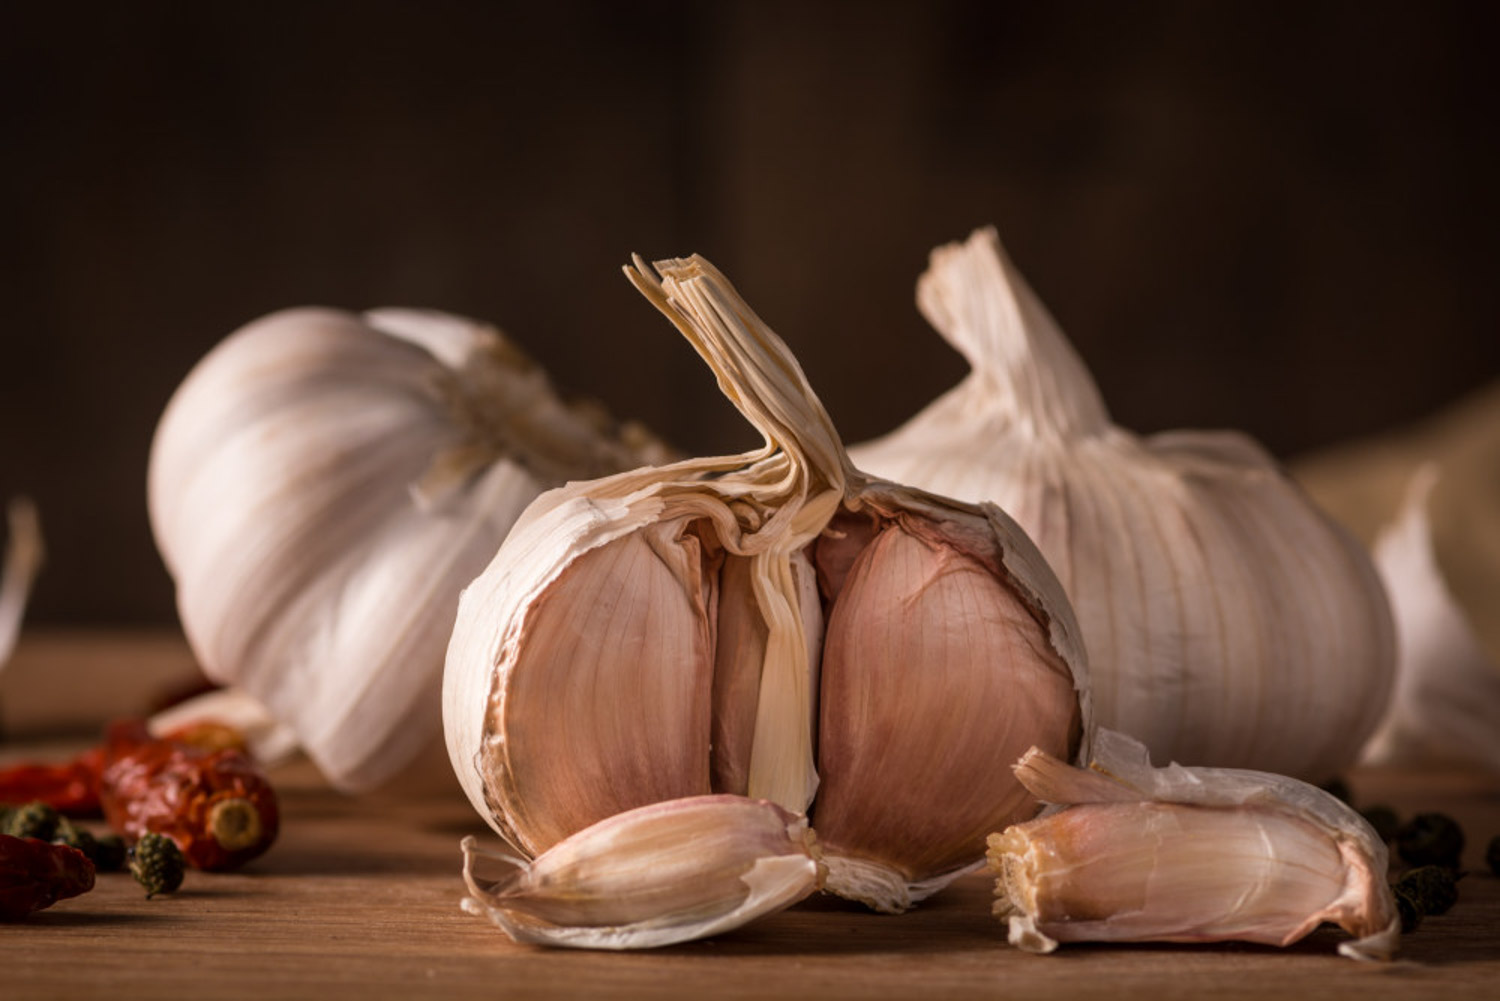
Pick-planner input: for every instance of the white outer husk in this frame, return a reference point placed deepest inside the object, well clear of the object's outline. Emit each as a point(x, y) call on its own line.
point(23, 558)
point(1447, 700)
point(1228, 621)
point(320, 502)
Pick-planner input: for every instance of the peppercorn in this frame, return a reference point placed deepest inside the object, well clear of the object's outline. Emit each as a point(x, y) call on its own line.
point(110, 853)
point(1384, 820)
point(1430, 839)
point(157, 864)
point(107, 852)
point(1432, 888)
point(34, 820)
point(1492, 855)
point(1411, 914)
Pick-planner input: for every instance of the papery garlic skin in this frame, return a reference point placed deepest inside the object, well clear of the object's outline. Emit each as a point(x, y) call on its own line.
point(657, 875)
point(321, 487)
point(1446, 704)
point(660, 634)
point(24, 553)
point(1136, 854)
point(1228, 621)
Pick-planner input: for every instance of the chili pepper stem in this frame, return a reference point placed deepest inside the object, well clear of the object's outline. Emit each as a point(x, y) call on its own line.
point(234, 824)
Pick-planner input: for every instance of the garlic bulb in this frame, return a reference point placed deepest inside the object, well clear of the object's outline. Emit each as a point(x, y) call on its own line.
point(659, 874)
point(321, 487)
point(1142, 854)
point(713, 625)
point(1228, 621)
point(1447, 700)
point(23, 558)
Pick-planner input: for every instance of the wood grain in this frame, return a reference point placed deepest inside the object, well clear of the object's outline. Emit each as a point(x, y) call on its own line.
point(359, 899)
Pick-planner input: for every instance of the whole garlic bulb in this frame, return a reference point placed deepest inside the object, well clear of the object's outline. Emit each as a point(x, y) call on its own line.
point(322, 486)
point(774, 624)
point(1228, 621)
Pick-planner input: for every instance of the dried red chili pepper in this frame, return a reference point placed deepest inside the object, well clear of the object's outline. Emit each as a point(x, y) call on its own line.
point(71, 788)
point(216, 804)
point(34, 875)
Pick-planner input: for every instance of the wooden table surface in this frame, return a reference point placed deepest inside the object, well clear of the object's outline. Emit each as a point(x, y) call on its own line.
point(360, 899)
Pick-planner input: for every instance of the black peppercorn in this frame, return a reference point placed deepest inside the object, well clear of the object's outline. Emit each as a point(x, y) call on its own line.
point(1430, 839)
point(34, 820)
point(1432, 888)
point(1492, 855)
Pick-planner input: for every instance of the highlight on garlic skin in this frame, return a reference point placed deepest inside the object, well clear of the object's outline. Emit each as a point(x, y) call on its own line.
point(656, 875)
point(24, 553)
point(1446, 704)
point(1140, 854)
point(1228, 621)
point(773, 624)
point(321, 487)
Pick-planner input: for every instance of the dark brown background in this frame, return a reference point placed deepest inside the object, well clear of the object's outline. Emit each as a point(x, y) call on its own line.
point(1274, 216)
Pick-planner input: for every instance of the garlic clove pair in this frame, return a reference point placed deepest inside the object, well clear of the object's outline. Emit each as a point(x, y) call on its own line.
point(656, 875)
point(1141, 854)
point(321, 487)
point(1228, 621)
point(24, 554)
point(706, 626)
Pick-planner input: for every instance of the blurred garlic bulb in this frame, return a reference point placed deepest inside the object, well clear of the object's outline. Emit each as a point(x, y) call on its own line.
point(23, 558)
point(322, 486)
point(1228, 621)
point(773, 624)
point(1447, 700)
point(659, 874)
point(1142, 854)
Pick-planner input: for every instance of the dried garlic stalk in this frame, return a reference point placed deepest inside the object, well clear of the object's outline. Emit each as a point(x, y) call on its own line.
point(1228, 622)
point(656, 875)
point(1142, 854)
point(323, 484)
point(23, 558)
point(1447, 699)
point(710, 625)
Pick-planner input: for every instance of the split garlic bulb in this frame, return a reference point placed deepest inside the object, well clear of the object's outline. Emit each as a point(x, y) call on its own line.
point(773, 624)
point(1140, 854)
point(1228, 621)
point(23, 558)
point(322, 486)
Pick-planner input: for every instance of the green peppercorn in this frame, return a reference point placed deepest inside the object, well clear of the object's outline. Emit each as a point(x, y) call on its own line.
point(157, 864)
point(1432, 888)
point(1385, 821)
point(34, 820)
point(1430, 839)
point(110, 853)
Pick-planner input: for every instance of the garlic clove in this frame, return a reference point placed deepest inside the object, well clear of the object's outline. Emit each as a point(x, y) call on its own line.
point(656, 875)
point(934, 669)
point(1228, 621)
point(24, 553)
point(271, 743)
point(1136, 854)
point(1447, 699)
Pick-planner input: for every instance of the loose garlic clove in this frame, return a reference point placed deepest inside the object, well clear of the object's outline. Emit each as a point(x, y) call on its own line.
point(555, 719)
point(656, 875)
point(1228, 621)
point(321, 487)
point(23, 558)
point(1174, 854)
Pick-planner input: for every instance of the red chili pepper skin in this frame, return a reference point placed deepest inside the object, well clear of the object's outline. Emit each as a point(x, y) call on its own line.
point(34, 875)
point(70, 788)
point(216, 804)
